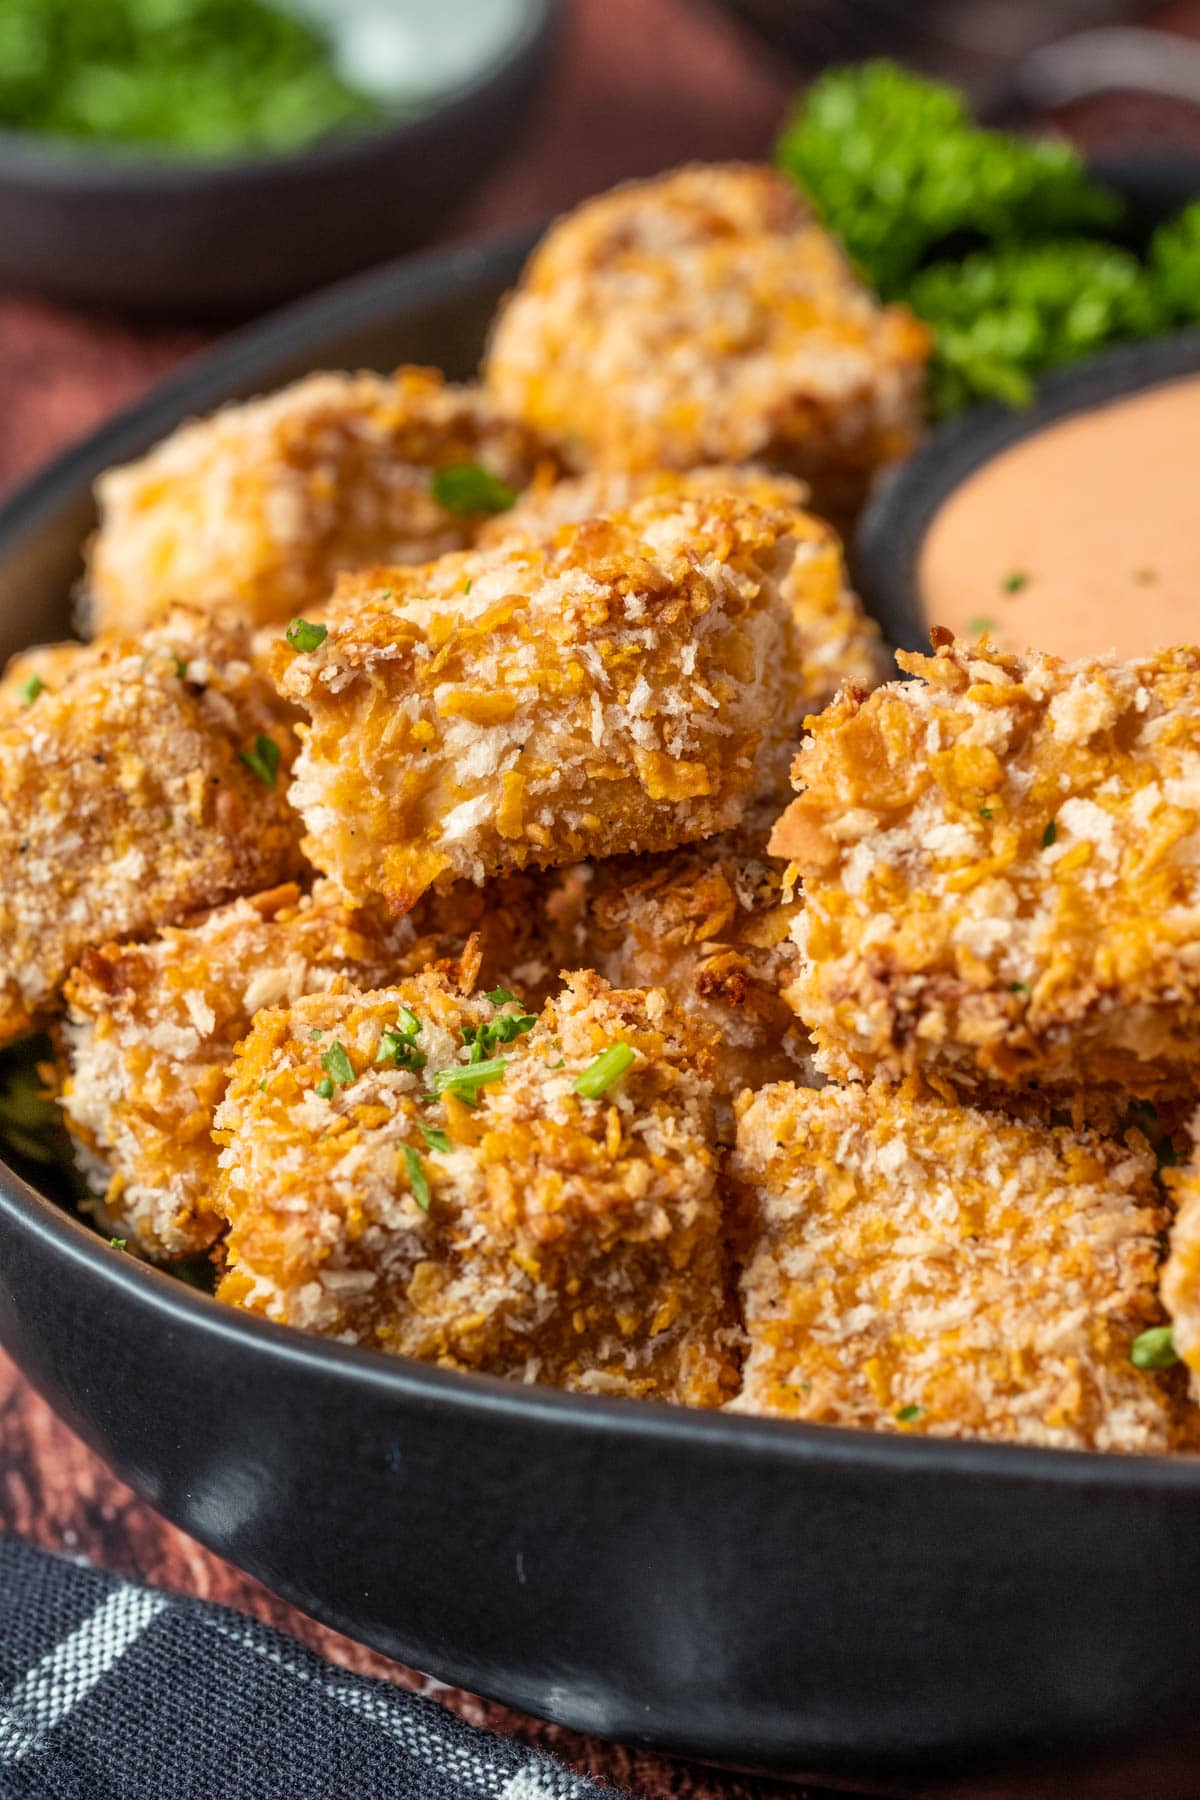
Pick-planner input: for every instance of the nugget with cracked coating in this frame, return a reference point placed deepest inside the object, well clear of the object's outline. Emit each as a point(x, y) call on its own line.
point(1001, 869)
point(537, 1234)
point(704, 316)
point(627, 687)
point(916, 1266)
point(710, 925)
point(152, 1027)
point(152, 784)
point(261, 505)
point(839, 642)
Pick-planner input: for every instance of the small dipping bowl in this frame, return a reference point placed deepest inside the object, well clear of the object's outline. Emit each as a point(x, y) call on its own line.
point(1069, 526)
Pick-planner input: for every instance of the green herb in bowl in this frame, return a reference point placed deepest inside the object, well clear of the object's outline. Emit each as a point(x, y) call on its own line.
point(186, 77)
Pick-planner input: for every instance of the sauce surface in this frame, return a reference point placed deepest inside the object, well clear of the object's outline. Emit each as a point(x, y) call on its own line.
point(1082, 538)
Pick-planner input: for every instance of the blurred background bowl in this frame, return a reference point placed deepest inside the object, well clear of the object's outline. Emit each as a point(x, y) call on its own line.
point(131, 227)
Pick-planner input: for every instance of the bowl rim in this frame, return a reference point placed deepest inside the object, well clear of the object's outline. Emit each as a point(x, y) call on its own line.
point(105, 166)
point(206, 380)
point(897, 519)
point(71, 1241)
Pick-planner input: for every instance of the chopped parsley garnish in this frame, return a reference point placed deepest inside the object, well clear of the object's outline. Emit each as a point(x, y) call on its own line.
point(1154, 1349)
point(408, 1021)
point(437, 1140)
point(336, 1063)
point(117, 1243)
point(907, 1414)
point(263, 760)
point(325, 1088)
point(318, 1031)
point(180, 668)
point(463, 1078)
point(470, 488)
point(417, 1178)
point(501, 996)
point(483, 1039)
point(302, 635)
point(985, 812)
point(977, 627)
point(29, 690)
point(1019, 987)
point(608, 1067)
point(1050, 835)
point(1012, 584)
point(398, 1048)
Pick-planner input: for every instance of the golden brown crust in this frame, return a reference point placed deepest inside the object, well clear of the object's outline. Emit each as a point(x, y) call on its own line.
point(259, 507)
point(710, 925)
point(838, 642)
point(703, 316)
point(126, 801)
point(1001, 871)
point(627, 687)
point(565, 1240)
point(921, 1267)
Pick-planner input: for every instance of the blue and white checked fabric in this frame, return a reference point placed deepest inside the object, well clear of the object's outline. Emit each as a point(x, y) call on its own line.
point(114, 1692)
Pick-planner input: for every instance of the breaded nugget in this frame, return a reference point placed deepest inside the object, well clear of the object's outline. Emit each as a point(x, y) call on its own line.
point(152, 784)
point(839, 642)
point(710, 924)
point(704, 316)
point(912, 1265)
point(152, 1027)
point(260, 506)
point(624, 688)
point(1002, 875)
point(539, 1234)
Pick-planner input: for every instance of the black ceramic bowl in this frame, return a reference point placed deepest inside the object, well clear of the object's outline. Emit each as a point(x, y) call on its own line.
point(102, 227)
point(892, 530)
point(910, 1614)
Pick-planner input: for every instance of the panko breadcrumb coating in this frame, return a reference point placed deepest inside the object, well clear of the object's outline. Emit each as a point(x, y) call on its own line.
point(704, 316)
point(259, 507)
point(626, 687)
point(1001, 870)
point(538, 1235)
point(152, 1027)
point(152, 784)
point(915, 1266)
point(839, 642)
point(710, 925)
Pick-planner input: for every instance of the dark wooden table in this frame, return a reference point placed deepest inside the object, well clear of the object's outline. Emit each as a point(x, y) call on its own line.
point(640, 85)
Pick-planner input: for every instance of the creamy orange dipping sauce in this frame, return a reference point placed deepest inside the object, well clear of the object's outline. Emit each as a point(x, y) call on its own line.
point(1081, 538)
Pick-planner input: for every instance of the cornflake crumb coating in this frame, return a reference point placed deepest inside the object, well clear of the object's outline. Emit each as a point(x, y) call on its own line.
point(553, 1239)
point(710, 924)
point(261, 505)
point(704, 316)
point(838, 641)
point(152, 1027)
point(1001, 871)
point(126, 802)
point(624, 688)
point(915, 1266)
point(1181, 1272)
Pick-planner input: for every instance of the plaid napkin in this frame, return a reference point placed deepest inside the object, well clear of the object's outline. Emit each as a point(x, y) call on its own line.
point(115, 1692)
